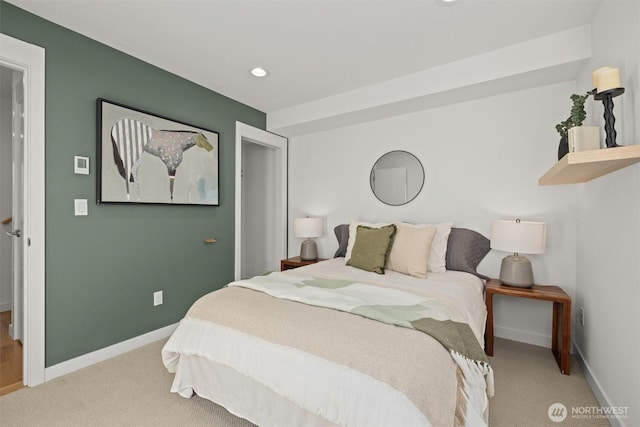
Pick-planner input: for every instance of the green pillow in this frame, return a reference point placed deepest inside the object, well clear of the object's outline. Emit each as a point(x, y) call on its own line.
point(371, 248)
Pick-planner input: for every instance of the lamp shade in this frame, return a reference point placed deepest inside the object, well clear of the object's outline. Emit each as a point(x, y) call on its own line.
point(517, 236)
point(307, 227)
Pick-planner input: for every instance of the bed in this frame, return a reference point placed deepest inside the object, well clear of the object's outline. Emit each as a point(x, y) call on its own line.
point(333, 344)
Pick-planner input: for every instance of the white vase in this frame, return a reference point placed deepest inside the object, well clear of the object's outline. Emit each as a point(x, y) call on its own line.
point(583, 138)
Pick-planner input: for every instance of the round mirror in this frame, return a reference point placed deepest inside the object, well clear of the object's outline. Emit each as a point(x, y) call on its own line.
point(397, 178)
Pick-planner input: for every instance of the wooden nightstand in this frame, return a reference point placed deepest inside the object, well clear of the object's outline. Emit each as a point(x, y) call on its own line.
point(295, 262)
point(561, 338)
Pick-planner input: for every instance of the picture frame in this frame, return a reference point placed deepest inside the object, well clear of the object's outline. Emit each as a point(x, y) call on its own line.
point(146, 158)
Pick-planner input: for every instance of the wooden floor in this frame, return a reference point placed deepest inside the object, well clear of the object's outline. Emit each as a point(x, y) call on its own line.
point(10, 358)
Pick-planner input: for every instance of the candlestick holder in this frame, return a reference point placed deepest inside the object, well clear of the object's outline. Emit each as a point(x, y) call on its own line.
point(609, 120)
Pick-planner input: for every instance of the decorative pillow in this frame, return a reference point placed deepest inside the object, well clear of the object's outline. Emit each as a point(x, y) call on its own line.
point(410, 250)
point(342, 234)
point(465, 249)
point(352, 234)
point(438, 254)
point(371, 248)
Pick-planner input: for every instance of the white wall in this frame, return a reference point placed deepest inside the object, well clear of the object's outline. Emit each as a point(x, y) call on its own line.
point(482, 161)
point(608, 230)
point(5, 197)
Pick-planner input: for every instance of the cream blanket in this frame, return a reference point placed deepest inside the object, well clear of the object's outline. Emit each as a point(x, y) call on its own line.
point(429, 313)
point(365, 372)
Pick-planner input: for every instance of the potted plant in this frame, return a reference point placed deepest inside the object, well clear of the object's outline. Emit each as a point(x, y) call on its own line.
point(578, 114)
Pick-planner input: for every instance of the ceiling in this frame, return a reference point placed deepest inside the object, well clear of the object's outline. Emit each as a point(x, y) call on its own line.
point(312, 49)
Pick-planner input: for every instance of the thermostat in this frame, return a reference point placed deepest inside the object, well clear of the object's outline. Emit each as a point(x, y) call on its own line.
point(80, 165)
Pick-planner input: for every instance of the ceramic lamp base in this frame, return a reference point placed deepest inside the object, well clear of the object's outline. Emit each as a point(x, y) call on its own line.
point(308, 250)
point(516, 271)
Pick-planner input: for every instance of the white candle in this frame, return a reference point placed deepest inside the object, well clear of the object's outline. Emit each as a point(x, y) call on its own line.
point(608, 79)
point(596, 75)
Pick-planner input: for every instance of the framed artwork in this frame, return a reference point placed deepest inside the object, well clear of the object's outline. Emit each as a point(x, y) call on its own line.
point(146, 158)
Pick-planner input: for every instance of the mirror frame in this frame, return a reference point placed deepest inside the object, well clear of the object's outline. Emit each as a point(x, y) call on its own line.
point(410, 197)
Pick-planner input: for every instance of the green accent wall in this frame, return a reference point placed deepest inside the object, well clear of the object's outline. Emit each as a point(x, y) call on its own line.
point(102, 269)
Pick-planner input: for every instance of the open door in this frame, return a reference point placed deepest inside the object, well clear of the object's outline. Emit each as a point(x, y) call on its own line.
point(17, 214)
point(12, 250)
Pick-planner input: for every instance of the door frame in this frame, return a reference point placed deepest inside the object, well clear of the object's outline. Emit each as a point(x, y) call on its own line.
point(261, 137)
point(30, 60)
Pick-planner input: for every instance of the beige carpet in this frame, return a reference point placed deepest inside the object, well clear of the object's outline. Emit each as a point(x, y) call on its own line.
point(528, 381)
point(133, 390)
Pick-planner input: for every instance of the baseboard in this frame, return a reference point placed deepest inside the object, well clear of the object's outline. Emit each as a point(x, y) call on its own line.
point(601, 396)
point(94, 357)
point(522, 336)
point(5, 306)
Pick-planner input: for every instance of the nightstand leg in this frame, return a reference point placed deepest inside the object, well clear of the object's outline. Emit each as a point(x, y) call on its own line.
point(489, 328)
point(554, 328)
point(566, 341)
point(562, 332)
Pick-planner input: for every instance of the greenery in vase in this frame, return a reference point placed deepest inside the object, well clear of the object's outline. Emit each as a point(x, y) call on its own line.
point(578, 114)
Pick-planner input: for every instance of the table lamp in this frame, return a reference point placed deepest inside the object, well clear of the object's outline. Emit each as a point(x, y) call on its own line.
point(518, 237)
point(308, 228)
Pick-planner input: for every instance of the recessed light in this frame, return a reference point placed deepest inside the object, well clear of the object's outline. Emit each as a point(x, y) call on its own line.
point(446, 2)
point(259, 72)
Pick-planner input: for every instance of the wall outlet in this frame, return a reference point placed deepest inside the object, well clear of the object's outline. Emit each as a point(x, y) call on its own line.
point(157, 298)
point(582, 316)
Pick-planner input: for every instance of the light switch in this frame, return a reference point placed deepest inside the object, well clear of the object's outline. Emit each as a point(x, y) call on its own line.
point(81, 207)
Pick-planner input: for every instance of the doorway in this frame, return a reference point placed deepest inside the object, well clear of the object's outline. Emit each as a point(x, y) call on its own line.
point(28, 322)
point(11, 256)
point(261, 201)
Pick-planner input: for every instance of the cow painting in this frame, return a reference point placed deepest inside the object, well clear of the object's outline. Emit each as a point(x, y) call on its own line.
point(130, 138)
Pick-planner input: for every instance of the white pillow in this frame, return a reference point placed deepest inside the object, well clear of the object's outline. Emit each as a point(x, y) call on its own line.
point(438, 255)
point(353, 228)
point(411, 248)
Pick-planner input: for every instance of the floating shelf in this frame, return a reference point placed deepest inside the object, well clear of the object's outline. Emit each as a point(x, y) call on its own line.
point(584, 166)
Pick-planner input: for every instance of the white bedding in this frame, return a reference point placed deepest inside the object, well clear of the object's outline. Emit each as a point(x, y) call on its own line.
point(286, 386)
